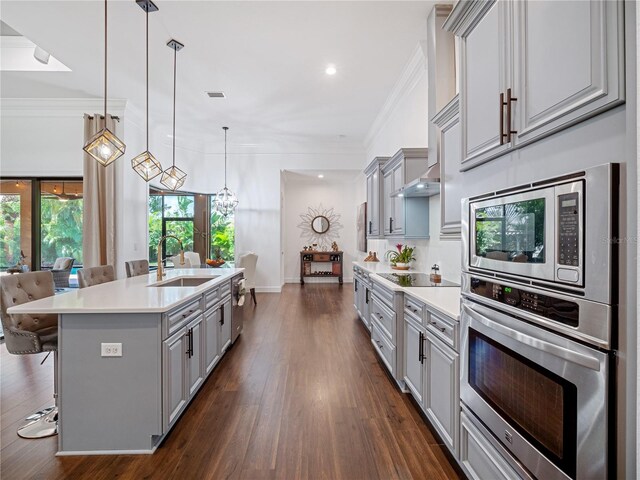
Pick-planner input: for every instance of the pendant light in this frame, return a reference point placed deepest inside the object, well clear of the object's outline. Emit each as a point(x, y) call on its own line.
point(226, 201)
point(146, 164)
point(173, 178)
point(104, 146)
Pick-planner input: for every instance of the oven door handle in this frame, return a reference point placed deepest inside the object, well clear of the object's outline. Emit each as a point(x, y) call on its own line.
point(476, 313)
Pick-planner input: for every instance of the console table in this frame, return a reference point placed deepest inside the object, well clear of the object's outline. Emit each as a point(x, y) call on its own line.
point(330, 259)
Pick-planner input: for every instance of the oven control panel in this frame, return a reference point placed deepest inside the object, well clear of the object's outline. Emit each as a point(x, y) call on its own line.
point(556, 309)
point(569, 229)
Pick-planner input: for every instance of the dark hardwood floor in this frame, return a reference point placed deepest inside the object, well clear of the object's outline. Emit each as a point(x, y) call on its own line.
point(300, 395)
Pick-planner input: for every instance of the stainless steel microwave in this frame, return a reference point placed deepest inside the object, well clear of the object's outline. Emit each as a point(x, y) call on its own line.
point(558, 233)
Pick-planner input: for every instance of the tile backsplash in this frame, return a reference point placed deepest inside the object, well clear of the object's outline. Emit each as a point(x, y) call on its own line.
point(446, 253)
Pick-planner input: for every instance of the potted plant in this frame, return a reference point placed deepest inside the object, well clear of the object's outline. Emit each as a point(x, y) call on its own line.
point(402, 257)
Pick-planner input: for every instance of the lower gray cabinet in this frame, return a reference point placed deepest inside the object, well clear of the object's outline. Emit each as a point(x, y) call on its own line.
point(414, 370)
point(211, 344)
point(442, 399)
point(194, 355)
point(174, 352)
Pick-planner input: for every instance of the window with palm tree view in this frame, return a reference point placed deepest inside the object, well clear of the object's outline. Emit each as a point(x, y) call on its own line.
point(191, 218)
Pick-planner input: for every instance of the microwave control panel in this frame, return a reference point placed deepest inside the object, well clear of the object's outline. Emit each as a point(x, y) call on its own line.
point(569, 229)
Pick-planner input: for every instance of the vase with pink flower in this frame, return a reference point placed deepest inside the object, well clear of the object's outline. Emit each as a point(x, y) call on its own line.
point(401, 258)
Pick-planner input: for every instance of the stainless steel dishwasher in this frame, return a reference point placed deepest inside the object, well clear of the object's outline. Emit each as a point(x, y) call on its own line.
point(237, 320)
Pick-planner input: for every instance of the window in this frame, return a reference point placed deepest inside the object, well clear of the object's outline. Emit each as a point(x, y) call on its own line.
point(170, 215)
point(192, 219)
point(40, 220)
point(61, 206)
point(222, 236)
point(15, 223)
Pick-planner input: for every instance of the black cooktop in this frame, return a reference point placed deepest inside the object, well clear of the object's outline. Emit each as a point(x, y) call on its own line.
point(415, 280)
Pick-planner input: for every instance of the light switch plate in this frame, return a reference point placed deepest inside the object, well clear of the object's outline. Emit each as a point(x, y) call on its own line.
point(111, 349)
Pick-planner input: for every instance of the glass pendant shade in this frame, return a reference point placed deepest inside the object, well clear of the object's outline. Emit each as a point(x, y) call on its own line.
point(146, 166)
point(173, 178)
point(105, 147)
point(225, 202)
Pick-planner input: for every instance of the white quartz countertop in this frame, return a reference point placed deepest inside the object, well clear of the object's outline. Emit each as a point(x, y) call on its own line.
point(445, 300)
point(130, 295)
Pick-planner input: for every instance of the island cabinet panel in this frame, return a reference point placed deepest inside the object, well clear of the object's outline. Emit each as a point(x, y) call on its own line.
point(195, 364)
point(225, 325)
point(375, 207)
point(109, 404)
point(174, 352)
point(211, 334)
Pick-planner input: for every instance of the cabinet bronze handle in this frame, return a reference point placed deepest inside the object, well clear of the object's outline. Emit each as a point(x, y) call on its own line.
point(442, 329)
point(366, 295)
point(390, 224)
point(510, 100)
point(370, 226)
point(222, 314)
point(502, 105)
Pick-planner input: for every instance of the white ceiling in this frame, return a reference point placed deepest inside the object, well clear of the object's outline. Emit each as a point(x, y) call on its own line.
point(268, 57)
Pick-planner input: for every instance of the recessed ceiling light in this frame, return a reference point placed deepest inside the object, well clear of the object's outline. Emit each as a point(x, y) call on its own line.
point(420, 185)
point(331, 70)
point(321, 176)
point(401, 194)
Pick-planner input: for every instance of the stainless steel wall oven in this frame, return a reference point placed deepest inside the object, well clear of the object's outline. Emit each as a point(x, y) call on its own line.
point(538, 312)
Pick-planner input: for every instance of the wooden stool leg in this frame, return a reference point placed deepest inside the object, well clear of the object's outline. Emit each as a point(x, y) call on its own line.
point(253, 295)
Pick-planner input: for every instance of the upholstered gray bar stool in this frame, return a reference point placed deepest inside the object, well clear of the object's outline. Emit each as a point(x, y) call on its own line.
point(27, 334)
point(136, 267)
point(88, 277)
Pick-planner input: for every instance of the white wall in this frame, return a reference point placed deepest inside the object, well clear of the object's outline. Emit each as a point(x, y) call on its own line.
point(44, 138)
point(301, 193)
point(404, 123)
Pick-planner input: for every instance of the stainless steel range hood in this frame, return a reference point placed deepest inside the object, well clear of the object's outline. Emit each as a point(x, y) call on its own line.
point(427, 185)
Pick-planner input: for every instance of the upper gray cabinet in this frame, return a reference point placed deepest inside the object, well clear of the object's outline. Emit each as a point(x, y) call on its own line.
point(447, 122)
point(531, 68)
point(374, 199)
point(404, 217)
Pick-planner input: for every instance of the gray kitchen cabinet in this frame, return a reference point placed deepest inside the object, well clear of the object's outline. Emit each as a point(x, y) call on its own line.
point(569, 59)
point(357, 285)
point(389, 205)
point(414, 369)
point(375, 207)
point(195, 368)
point(174, 371)
point(225, 325)
point(442, 399)
point(400, 219)
point(528, 69)
point(447, 122)
point(211, 334)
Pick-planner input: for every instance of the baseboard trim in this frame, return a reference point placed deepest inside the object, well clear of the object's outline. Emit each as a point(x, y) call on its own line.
point(268, 289)
point(106, 452)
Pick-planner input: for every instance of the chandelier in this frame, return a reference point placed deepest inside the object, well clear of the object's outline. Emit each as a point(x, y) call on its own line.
point(225, 201)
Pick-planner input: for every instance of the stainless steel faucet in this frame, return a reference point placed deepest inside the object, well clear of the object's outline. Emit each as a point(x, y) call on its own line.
point(160, 272)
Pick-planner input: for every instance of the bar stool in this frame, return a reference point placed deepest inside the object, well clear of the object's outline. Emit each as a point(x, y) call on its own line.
point(28, 334)
point(88, 277)
point(136, 267)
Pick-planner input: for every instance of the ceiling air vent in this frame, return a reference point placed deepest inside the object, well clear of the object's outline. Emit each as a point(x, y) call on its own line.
point(216, 94)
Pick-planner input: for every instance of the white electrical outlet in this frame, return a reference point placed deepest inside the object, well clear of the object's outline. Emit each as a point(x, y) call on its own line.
point(111, 349)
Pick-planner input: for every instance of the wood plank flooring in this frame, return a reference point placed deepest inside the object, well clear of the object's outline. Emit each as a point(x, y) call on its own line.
point(300, 395)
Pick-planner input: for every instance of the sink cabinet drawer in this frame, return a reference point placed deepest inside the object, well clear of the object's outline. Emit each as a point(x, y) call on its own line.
point(385, 349)
point(444, 328)
point(178, 317)
point(415, 309)
point(385, 317)
point(211, 298)
point(225, 289)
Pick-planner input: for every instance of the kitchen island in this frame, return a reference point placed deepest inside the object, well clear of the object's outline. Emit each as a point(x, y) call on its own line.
point(132, 353)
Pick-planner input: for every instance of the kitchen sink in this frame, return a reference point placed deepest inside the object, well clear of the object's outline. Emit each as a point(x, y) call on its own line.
point(186, 281)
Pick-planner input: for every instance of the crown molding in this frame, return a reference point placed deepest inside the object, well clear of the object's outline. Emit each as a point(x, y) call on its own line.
point(59, 107)
point(413, 71)
point(465, 15)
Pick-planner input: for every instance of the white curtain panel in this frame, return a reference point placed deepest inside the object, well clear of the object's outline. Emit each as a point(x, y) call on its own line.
point(99, 222)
